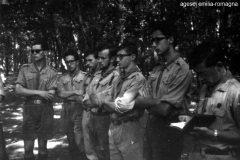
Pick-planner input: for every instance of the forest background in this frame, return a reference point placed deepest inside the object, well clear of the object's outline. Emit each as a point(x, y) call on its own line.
point(83, 25)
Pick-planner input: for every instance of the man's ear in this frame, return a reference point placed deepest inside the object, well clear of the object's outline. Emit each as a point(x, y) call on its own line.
point(133, 57)
point(113, 59)
point(220, 65)
point(171, 39)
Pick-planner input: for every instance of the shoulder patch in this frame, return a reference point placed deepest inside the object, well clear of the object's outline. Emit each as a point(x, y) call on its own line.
point(25, 65)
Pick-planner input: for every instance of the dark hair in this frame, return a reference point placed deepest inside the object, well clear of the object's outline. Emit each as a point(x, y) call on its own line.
point(208, 52)
point(112, 50)
point(71, 53)
point(93, 53)
point(41, 42)
point(168, 28)
point(130, 48)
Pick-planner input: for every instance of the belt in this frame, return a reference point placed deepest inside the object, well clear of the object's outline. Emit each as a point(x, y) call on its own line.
point(36, 101)
point(100, 113)
point(72, 102)
point(119, 122)
point(217, 151)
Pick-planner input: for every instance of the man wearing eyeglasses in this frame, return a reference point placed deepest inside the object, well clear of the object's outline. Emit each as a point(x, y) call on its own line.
point(71, 89)
point(93, 69)
point(37, 82)
point(220, 97)
point(166, 95)
point(125, 137)
point(100, 117)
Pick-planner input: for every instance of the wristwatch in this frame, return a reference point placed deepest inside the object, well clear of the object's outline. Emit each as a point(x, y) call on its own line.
point(215, 134)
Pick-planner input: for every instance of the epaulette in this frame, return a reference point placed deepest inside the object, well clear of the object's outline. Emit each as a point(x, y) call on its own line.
point(53, 69)
point(84, 72)
point(25, 65)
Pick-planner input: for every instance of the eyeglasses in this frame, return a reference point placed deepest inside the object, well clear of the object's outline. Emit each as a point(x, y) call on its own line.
point(70, 62)
point(36, 50)
point(120, 56)
point(158, 39)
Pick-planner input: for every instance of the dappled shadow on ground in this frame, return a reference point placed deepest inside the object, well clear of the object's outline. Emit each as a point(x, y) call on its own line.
point(11, 113)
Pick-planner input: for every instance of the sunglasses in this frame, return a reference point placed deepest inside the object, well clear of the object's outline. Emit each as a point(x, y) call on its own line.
point(36, 50)
point(157, 39)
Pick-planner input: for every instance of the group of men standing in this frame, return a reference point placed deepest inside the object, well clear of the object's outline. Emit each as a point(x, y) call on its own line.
point(102, 109)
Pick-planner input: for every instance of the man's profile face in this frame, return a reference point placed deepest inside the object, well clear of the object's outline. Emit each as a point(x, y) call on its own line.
point(123, 59)
point(160, 43)
point(103, 59)
point(91, 62)
point(71, 63)
point(37, 53)
point(207, 75)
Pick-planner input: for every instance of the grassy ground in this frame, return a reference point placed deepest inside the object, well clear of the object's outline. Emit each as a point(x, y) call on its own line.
point(11, 113)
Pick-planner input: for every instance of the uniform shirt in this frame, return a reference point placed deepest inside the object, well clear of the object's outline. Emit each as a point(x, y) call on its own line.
point(101, 84)
point(222, 103)
point(73, 82)
point(124, 92)
point(173, 86)
point(27, 78)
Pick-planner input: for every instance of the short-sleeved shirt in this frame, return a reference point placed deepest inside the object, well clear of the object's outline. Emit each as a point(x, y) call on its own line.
point(73, 82)
point(222, 103)
point(27, 78)
point(101, 84)
point(131, 85)
point(174, 85)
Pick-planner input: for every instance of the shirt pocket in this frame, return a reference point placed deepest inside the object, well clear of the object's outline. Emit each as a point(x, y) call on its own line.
point(78, 82)
point(30, 82)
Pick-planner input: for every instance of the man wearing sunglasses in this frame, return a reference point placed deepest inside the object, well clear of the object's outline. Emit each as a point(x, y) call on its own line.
point(166, 95)
point(71, 89)
point(220, 97)
point(37, 82)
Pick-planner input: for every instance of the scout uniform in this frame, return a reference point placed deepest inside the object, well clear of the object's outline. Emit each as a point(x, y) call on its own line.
point(222, 103)
point(89, 147)
point(100, 118)
point(170, 83)
point(37, 112)
point(125, 136)
point(72, 110)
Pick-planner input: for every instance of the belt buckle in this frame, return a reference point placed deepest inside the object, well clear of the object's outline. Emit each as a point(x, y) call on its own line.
point(37, 101)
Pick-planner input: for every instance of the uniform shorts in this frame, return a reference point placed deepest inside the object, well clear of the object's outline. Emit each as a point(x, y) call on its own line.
point(71, 117)
point(37, 121)
point(100, 128)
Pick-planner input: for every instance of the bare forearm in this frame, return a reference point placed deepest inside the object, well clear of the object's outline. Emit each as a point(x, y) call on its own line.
point(144, 102)
point(27, 92)
point(110, 106)
point(229, 136)
point(66, 94)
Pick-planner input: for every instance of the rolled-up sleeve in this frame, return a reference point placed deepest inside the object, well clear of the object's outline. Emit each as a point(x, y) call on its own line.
point(127, 101)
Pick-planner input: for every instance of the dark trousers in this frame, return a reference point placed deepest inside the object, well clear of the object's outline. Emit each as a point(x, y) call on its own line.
point(164, 142)
point(3, 154)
